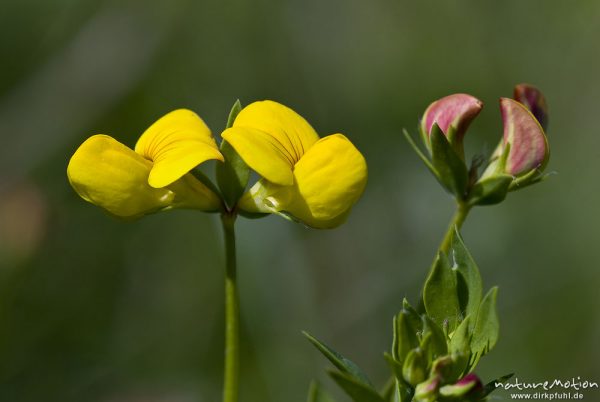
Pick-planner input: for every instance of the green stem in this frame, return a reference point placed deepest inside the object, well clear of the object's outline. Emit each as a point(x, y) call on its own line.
point(462, 210)
point(232, 313)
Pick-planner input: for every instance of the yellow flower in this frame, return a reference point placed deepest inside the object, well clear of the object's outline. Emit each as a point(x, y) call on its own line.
point(152, 178)
point(315, 181)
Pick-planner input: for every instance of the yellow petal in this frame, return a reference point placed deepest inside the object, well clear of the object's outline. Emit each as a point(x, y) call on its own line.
point(176, 143)
point(107, 173)
point(262, 153)
point(268, 131)
point(328, 180)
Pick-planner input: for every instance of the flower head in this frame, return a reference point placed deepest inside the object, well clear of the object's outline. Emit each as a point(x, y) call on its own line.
point(303, 177)
point(155, 176)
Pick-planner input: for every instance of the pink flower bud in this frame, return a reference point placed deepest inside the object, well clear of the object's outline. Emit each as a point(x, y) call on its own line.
point(471, 380)
point(528, 145)
point(469, 384)
point(452, 111)
point(534, 100)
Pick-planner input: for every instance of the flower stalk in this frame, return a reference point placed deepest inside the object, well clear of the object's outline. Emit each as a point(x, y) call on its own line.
point(462, 210)
point(232, 312)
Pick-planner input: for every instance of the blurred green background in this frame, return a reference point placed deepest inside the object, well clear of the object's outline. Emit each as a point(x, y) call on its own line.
point(94, 309)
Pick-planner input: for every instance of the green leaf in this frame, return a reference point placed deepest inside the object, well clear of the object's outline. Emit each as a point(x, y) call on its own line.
point(235, 110)
point(405, 336)
point(317, 394)
point(233, 174)
point(485, 332)
point(358, 391)
point(414, 368)
point(491, 190)
point(197, 173)
point(530, 179)
point(438, 345)
point(420, 154)
point(460, 348)
point(461, 338)
point(451, 169)
point(395, 365)
point(413, 315)
point(468, 279)
point(339, 361)
point(491, 386)
point(404, 392)
point(388, 391)
point(440, 294)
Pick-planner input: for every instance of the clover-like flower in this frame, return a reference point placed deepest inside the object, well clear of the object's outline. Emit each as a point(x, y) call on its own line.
point(303, 177)
point(152, 178)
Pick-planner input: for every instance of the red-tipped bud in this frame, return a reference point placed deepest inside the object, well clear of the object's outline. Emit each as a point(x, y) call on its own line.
point(528, 145)
point(452, 112)
point(469, 384)
point(427, 391)
point(534, 100)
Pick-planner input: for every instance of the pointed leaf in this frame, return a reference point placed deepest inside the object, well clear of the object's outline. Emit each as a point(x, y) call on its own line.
point(235, 110)
point(198, 174)
point(438, 346)
point(491, 386)
point(440, 294)
point(405, 336)
point(414, 368)
point(358, 391)
point(533, 177)
point(461, 338)
point(413, 315)
point(388, 391)
point(233, 174)
point(394, 364)
point(339, 361)
point(404, 392)
point(485, 332)
point(469, 280)
point(451, 169)
point(421, 155)
point(460, 348)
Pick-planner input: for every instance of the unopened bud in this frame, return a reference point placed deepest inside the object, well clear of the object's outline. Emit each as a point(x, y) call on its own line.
point(534, 100)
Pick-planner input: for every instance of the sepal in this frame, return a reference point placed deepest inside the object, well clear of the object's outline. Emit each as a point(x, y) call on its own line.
point(414, 368)
point(451, 169)
point(233, 174)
